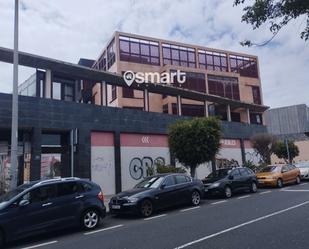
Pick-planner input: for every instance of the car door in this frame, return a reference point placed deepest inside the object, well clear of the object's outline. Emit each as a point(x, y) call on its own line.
point(182, 188)
point(235, 179)
point(285, 174)
point(293, 172)
point(38, 215)
point(245, 179)
point(167, 194)
point(69, 203)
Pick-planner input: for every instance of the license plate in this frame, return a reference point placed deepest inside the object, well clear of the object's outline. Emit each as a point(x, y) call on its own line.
point(115, 206)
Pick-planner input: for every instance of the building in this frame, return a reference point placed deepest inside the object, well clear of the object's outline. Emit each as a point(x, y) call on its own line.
point(218, 72)
point(292, 123)
point(75, 120)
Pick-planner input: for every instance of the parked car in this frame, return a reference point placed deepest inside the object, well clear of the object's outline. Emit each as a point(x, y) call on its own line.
point(278, 175)
point(49, 205)
point(226, 182)
point(304, 170)
point(157, 192)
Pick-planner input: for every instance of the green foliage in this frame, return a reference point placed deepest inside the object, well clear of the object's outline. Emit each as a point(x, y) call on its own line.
point(161, 169)
point(275, 13)
point(264, 144)
point(282, 153)
point(196, 141)
point(250, 165)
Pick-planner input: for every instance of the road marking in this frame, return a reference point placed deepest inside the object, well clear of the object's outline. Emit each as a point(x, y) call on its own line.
point(243, 197)
point(188, 209)
point(40, 245)
point(296, 190)
point(104, 229)
point(265, 192)
point(218, 202)
point(241, 225)
point(155, 217)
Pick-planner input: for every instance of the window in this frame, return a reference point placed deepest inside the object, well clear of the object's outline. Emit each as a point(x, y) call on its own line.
point(256, 118)
point(68, 92)
point(291, 167)
point(256, 95)
point(63, 89)
point(223, 86)
point(212, 61)
point(245, 66)
point(169, 181)
point(194, 81)
point(43, 193)
point(102, 62)
point(181, 179)
point(235, 173)
point(190, 110)
point(127, 92)
point(57, 90)
point(178, 55)
point(139, 51)
point(285, 168)
point(114, 92)
point(68, 188)
point(243, 172)
point(111, 48)
point(85, 187)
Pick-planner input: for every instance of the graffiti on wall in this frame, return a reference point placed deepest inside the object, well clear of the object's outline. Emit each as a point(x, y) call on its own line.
point(141, 167)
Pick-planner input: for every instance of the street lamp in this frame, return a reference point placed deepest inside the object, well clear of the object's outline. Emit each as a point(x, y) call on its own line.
point(14, 129)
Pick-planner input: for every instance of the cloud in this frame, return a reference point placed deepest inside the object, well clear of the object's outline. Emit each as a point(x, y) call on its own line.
point(68, 30)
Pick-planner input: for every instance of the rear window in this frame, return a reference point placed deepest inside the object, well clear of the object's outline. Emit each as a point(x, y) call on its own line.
point(85, 186)
point(181, 179)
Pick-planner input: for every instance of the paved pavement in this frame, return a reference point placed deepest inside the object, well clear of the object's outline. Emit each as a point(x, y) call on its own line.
point(270, 219)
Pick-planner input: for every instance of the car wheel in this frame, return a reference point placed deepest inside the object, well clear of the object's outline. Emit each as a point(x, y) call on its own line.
point(279, 183)
point(195, 198)
point(227, 192)
point(90, 219)
point(297, 180)
point(146, 208)
point(253, 187)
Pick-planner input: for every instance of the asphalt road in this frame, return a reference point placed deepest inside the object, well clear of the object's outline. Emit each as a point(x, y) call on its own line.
point(271, 218)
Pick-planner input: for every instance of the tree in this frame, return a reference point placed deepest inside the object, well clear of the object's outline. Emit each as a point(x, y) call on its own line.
point(277, 14)
point(282, 152)
point(196, 141)
point(264, 144)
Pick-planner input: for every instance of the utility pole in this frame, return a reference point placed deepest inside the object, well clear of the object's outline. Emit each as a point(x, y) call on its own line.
point(287, 149)
point(14, 129)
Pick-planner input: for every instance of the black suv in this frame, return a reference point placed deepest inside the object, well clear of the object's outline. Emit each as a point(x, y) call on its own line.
point(42, 206)
point(229, 181)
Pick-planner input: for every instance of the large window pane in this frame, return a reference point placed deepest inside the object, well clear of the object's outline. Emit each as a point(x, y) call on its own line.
point(57, 90)
point(214, 61)
point(245, 66)
point(176, 55)
point(223, 86)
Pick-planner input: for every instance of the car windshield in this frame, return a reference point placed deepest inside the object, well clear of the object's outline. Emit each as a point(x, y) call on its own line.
point(151, 182)
point(270, 169)
point(219, 173)
point(13, 193)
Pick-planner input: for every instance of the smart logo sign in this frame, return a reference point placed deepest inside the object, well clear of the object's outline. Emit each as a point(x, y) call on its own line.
point(154, 77)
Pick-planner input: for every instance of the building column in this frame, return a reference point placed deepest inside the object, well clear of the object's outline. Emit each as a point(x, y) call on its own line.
point(228, 111)
point(146, 100)
point(243, 151)
point(179, 105)
point(103, 93)
point(117, 162)
point(248, 116)
point(36, 151)
point(48, 84)
point(206, 109)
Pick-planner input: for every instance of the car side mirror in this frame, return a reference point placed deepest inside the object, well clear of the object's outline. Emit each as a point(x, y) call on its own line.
point(231, 177)
point(162, 186)
point(23, 203)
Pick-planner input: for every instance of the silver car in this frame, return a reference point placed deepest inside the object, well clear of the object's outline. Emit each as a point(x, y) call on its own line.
point(304, 169)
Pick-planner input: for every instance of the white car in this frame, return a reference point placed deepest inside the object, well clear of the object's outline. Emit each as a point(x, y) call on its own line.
point(304, 170)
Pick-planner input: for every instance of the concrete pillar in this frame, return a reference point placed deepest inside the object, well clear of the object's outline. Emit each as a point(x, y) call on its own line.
point(146, 100)
point(179, 105)
point(48, 84)
point(206, 109)
point(228, 111)
point(35, 163)
point(248, 116)
point(103, 93)
point(117, 162)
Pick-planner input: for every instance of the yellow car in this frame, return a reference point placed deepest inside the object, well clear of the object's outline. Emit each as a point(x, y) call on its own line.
point(278, 175)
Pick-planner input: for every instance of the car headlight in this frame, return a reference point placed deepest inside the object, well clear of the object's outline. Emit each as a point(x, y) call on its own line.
point(132, 199)
point(214, 185)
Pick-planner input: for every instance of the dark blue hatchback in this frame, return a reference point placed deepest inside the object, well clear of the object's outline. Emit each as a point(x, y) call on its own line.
point(38, 207)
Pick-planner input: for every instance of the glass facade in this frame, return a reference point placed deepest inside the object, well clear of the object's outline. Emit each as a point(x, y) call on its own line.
point(28, 88)
point(245, 66)
point(178, 55)
point(194, 81)
point(224, 86)
point(63, 89)
point(111, 54)
point(139, 51)
point(213, 61)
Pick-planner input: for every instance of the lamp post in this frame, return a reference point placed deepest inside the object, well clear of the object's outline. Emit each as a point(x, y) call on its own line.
point(14, 129)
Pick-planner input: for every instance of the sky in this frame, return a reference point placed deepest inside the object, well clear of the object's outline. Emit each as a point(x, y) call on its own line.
point(70, 29)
